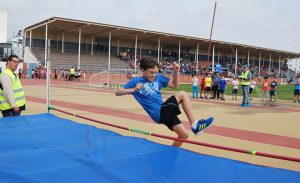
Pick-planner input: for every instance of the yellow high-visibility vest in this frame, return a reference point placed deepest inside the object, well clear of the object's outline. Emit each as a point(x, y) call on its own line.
point(18, 92)
point(244, 76)
point(72, 71)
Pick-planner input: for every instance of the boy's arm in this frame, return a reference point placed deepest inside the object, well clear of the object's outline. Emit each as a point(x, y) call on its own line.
point(123, 91)
point(175, 83)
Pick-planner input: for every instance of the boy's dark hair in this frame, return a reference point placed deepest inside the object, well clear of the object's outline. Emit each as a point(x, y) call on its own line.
point(266, 77)
point(11, 57)
point(148, 62)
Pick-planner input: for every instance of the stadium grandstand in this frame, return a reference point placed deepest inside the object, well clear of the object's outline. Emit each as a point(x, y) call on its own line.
point(96, 47)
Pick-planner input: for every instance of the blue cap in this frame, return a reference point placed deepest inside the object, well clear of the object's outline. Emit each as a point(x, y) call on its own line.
point(245, 66)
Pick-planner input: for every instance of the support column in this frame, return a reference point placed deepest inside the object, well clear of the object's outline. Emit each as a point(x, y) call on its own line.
point(141, 48)
point(270, 63)
point(279, 60)
point(235, 66)
point(92, 46)
point(109, 47)
point(57, 42)
point(197, 58)
point(118, 49)
point(63, 43)
point(24, 40)
point(248, 58)
point(135, 53)
point(259, 64)
point(158, 48)
point(179, 49)
point(213, 60)
point(30, 38)
point(79, 46)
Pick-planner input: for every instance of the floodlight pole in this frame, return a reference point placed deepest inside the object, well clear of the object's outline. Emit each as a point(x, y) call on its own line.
point(211, 31)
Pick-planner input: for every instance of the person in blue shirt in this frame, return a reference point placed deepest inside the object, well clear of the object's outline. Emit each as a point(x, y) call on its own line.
point(297, 89)
point(222, 87)
point(146, 90)
point(215, 86)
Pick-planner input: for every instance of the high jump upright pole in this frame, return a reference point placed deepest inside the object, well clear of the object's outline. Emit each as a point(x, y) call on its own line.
point(47, 66)
point(211, 31)
point(48, 74)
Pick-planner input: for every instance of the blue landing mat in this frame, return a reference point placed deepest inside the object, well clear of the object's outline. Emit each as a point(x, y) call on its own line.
point(45, 148)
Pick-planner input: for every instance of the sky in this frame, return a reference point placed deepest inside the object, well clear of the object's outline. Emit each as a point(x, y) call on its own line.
point(265, 23)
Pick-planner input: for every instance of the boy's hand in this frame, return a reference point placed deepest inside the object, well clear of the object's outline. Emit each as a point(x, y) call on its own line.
point(138, 86)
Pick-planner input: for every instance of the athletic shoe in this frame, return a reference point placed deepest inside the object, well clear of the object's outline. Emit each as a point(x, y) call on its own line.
point(200, 125)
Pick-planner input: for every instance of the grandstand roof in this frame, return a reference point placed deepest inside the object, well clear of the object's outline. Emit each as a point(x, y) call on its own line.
point(58, 24)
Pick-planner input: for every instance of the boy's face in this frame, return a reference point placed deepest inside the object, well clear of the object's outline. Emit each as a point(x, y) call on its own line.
point(150, 74)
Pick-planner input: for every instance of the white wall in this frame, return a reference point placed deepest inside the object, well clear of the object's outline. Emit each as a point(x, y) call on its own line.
point(3, 27)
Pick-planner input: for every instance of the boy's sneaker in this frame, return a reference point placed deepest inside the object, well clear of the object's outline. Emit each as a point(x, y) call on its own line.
point(200, 125)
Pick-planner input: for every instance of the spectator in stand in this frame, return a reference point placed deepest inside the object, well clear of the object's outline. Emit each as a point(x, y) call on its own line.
point(55, 74)
point(195, 87)
point(20, 73)
point(84, 75)
point(222, 87)
point(208, 82)
point(273, 88)
point(297, 89)
point(265, 87)
point(252, 86)
point(72, 74)
point(235, 87)
point(32, 74)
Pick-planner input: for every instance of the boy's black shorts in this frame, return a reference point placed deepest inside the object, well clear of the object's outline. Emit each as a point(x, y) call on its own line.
point(169, 111)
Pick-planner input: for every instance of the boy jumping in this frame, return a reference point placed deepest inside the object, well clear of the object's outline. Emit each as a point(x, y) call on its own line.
point(146, 90)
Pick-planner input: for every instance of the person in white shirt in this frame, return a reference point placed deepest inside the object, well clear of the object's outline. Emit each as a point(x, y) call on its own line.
point(235, 84)
point(195, 86)
point(252, 86)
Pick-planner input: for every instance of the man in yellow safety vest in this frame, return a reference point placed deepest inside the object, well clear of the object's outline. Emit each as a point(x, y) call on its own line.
point(245, 82)
point(12, 98)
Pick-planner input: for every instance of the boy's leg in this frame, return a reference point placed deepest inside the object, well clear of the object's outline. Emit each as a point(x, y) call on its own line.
point(182, 98)
point(181, 132)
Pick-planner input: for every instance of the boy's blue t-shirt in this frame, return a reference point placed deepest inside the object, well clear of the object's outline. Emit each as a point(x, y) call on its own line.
point(149, 96)
point(223, 84)
point(296, 84)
